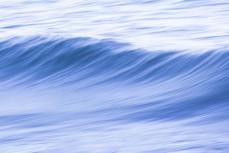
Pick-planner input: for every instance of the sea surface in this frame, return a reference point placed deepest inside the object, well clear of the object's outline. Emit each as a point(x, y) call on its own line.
point(114, 76)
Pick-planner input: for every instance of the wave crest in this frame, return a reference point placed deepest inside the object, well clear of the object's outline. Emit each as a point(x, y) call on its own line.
point(77, 59)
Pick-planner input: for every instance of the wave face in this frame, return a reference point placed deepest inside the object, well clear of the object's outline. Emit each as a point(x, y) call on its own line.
point(114, 76)
point(87, 92)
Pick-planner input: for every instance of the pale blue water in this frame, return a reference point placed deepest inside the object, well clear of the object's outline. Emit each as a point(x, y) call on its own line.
point(114, 76)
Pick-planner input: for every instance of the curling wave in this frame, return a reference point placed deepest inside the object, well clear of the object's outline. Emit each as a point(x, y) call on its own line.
point(76, 89)
point(168, 83)
point(87, 58)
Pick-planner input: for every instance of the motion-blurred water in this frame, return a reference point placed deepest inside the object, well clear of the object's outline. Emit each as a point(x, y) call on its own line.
point(114, 76)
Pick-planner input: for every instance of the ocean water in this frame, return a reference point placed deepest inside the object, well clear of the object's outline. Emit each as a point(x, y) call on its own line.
point(112, 76)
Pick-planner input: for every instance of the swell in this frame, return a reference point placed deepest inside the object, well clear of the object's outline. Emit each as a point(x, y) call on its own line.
point(84, 57)
point(163, 84)
point(39, 58)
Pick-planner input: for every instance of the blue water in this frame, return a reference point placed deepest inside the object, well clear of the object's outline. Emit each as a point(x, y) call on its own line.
point(114, 76)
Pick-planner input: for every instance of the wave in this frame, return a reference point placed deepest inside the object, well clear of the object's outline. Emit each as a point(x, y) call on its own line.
point(84, 58)
point(153, 84)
